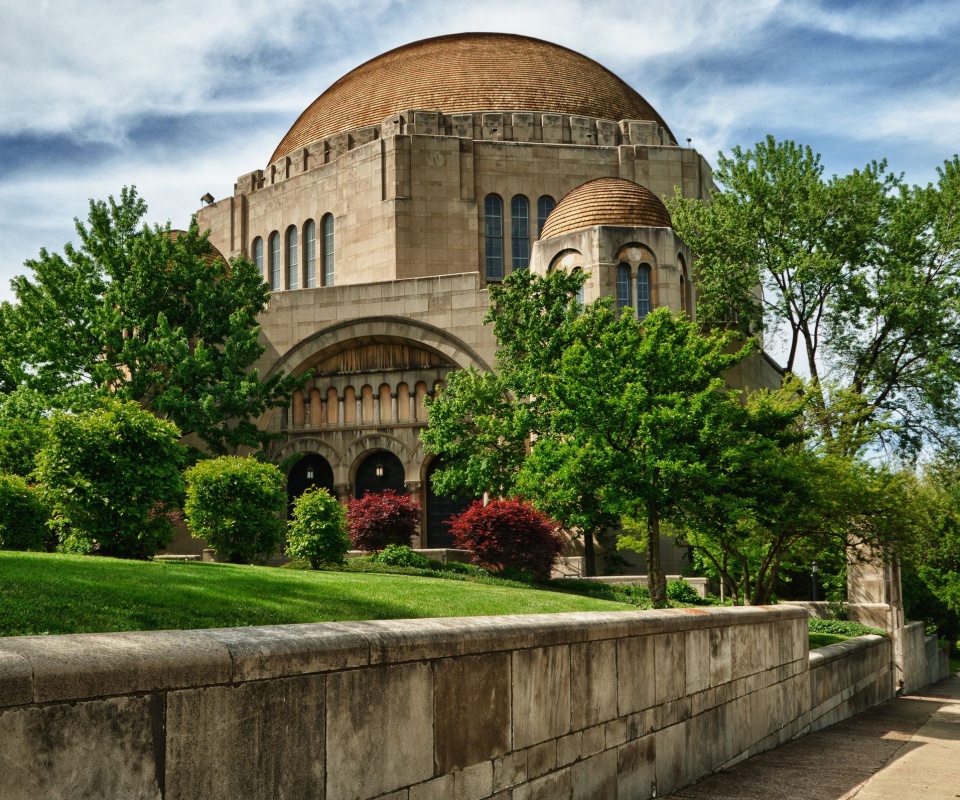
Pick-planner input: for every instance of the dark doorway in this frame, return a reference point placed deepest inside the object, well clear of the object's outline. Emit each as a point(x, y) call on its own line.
point(311, 470)
point(439, 510)
point(379, 471)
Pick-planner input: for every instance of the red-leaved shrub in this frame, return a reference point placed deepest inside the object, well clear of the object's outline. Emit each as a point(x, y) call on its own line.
point(381, 518)
point(508, 534)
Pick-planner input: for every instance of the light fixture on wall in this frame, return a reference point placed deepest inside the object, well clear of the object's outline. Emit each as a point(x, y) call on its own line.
point(309, 473)
point(207, 199)
point(378, 470)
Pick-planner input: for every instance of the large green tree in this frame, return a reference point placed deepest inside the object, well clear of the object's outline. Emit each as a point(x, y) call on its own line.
point(592, 415)
point(862, 273)
point(147, 314)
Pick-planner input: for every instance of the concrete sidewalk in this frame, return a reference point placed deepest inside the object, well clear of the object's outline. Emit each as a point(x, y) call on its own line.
point(906, 747)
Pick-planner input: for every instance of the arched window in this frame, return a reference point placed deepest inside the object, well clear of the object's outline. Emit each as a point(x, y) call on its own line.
point(310, 254)
point(293, 263)
point(274, 264)
point(328, 250)
point(683, 295)
point(580, 297)
point(493, 237)
point(544, 206)
point(520, 231)
point(643, 290)
point(258, 256)
point(623, 287)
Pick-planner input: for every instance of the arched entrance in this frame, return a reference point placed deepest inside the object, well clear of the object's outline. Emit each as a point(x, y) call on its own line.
point(311, 470)
point(439, 510)
point(379, 471)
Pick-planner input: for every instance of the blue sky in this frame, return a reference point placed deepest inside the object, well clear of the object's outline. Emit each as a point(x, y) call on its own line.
point(180, 98)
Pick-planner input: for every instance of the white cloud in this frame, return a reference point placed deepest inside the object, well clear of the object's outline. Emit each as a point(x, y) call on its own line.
point(878, 21)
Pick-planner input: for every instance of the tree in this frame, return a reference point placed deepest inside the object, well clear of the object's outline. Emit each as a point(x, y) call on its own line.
point(318, 532)
point(381, 518)
point(862, 270)
point(620, 416)
point(107, 474)
point(508, 535)
point(235, 504)
point(150, 315)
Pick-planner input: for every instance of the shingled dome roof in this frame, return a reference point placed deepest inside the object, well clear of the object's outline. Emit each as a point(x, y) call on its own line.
point(467, 72)
point(607, 201)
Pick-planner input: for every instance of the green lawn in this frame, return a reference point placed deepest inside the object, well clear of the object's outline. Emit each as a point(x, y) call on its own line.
point(53, 593)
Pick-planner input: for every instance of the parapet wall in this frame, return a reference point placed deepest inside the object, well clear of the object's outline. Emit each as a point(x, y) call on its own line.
point(599, 705)
point(849, 677)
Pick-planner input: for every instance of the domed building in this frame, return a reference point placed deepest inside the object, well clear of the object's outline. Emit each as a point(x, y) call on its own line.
point(402, 193)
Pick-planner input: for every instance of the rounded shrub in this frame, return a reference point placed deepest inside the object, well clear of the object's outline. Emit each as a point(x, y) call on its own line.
point(105, 472)
point(318, 531)
point(682, 592)
point(381, 518)
point(400, 555)
point(23, 515)
point(235, 504)
point(508, 535)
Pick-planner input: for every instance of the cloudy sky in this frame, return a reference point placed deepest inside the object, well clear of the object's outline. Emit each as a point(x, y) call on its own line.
point(181, 97)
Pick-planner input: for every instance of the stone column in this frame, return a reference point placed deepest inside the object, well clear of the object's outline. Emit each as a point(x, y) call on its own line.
point(414, 489)
point(393, 407)
point(344, 492)
point(340, 416)
point(376, 409)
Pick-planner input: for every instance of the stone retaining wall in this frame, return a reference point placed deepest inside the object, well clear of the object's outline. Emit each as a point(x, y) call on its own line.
point(849, 677)
point(600, 705)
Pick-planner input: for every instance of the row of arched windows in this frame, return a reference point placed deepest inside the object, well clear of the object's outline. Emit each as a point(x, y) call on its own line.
point(519, 232)
point(286, 267)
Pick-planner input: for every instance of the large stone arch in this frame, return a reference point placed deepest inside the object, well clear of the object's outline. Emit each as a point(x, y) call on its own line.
point(381, 441)
point(308, 444)
point(341, 335)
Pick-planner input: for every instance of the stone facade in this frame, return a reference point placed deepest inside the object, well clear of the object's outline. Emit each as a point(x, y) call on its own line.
point(380, 237)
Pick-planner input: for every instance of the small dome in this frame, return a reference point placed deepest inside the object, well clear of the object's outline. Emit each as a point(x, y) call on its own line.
point(607, 201)
point(468, 72)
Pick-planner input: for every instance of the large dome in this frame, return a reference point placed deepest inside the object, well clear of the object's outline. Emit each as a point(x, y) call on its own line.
point(607, 201)
point(468, 72)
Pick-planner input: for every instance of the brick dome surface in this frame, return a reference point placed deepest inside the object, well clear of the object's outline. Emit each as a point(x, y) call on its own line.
point(468, 72)
point(607, 201)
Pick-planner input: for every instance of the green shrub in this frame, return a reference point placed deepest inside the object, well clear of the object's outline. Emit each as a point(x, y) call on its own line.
point(23, 515)
point(400, 555)
point(318, 532)
point(235, 505)
point(105, 473)
point(842, 627)
point(682, 592)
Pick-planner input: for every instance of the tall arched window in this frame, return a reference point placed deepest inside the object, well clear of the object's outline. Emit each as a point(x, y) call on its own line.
point(328, 250)
point(310, 254)
point(293, 261)
point(493, 237)
point(683, 295)
point(623, 287)
point(544, 206)
point(274, 264)
point(580, 298)
point(258, 256)
point(643, 290)
point(520, 231)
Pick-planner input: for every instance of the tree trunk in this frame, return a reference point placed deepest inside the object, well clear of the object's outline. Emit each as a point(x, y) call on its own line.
point(656, 580)
point(589, 554)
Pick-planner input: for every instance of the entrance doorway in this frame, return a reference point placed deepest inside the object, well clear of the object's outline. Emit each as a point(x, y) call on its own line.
point(440, 508)
point(379, 471)
point(311, 470)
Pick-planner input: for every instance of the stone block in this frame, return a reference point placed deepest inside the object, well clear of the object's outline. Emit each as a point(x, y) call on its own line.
point(106, 748)
point(556, 786)
point(104, 664)
point(279, 650)
point(593, 683)
point(379, 730)
point(473, 783)
point(257, 740)
point(595, 777)
point(568, 748)
point(594, 740)
point(541, 695)
point(615, 732)
point(492, 127)
point(541, 759)
point(721, 656)
point(637, 769)
point(607, 133)
point(438, 789)
point(509, 770)
point(582, 130)
point(552, 126)
point(522, 126)
point(671, 758)
point(636, 683)
point(670, 666)
point(472, 710)
point(698, 659)
point(16, 679)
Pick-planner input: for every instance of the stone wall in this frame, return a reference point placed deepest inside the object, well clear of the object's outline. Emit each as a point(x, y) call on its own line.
point(923, 662)
point(600, 705)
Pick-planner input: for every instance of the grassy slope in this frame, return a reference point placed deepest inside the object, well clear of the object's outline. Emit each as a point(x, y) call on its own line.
point(46, 593)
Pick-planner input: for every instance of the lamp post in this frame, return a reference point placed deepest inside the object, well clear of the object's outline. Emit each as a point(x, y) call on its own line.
point(814, 573)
